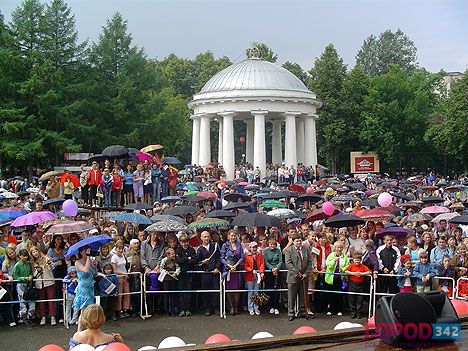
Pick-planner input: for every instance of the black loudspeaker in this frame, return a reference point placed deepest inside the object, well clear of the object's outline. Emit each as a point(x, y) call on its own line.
point(417, 320)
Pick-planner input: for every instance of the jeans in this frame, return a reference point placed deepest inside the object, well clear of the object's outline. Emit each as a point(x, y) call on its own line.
point(27, 309)
point(252, 287)
point(156, 190)
point(72, 313)
point(107, 196)
point(164, 188)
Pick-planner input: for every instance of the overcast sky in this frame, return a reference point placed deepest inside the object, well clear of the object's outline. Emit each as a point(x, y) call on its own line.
point(297, 31)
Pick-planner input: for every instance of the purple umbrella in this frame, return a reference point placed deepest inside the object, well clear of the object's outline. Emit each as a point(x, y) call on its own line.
point(397, 232)
point(33, 218)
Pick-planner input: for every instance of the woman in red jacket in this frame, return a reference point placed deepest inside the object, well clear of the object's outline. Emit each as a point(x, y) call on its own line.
point(254, 264)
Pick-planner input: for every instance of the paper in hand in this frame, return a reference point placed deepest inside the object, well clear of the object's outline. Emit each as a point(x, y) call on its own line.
point(162, 275)
point(110, 288)
point(2, 292)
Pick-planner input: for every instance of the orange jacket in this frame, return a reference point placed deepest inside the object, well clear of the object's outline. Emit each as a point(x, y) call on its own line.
point(249, 266)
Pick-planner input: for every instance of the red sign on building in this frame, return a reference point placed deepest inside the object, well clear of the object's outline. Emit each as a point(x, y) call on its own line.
point(364, 162)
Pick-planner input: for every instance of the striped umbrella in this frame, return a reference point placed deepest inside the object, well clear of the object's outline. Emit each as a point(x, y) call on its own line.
point(69, 227)
point(208, 223)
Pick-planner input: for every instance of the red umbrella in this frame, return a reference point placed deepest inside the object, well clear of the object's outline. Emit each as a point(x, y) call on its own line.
point(318, 214)
point(297, 188)
point(73, 178)
point(143, 156)
point(434, 210)
point(208, 195)
point(375, 214)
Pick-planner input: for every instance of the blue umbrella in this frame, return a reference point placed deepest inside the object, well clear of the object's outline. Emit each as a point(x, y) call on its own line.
point(11, 214)
point(171, 199)
point(93, 242)
point(132, 217)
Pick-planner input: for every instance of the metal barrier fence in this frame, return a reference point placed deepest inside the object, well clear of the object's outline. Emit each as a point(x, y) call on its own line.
point(457, 293)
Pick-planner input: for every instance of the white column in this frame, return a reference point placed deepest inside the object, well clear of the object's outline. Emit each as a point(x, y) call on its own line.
point(259, 152)
point(220, 140)
point(205, 142)
point(310, 154)
point(276, 149)
point(249, 141)
point(290, 151)
point(195, 139)
point(300, 139)
point(228, 147)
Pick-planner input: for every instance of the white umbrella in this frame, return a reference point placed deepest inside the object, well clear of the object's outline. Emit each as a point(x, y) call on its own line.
point(8, 195)
point(282, 213)
point(444, 216)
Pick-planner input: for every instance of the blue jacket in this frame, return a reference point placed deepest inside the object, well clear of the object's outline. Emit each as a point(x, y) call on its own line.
point(402, 277)
point(437, 256)
point(420, 270)
point(70, 285)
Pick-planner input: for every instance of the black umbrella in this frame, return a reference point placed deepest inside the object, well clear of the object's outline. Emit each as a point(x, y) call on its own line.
point(463, 219)
point(252, 187)
point(255, 219)
point(235, 197)
point(274, 196)
point(343, 220)
point(401, 196)
point(132, 151)
point(181, 210)
point(288, 193)
point(267, 190)
point(97, 157)
point(432, 199)
point(115, 151)
point(22, 193)
point(138, 206)
point(83, 212)
point(369, 203)
point(236, 205)
point(283, 184)
point(343, 198)
point(54, 200)
point(195, 198)
point(309, 197)
point(220, 214)
point(170, 161)
point(355, 186)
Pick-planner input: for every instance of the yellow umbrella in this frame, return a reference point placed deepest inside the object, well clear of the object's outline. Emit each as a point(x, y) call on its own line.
point(150, 148)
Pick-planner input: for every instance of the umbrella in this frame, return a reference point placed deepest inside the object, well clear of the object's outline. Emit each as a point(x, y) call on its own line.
point(275, 196)
point(22, 193)
point(194, 198)
point(343, 220)
point(444, 217)
point(456, 205)
point(297, 188)
point(115, 151)
point(343, 198)
point(132, 217)
point(73, 178)
point(252, 187)
point(282, 213)
point(208, 195)
point(83, 212)
point(220, 214)
point(460, 220)
point(69, 227)
point(236, 205)
point(167, 225)
point(288, 193)
point(318, 214)
point(369, 203)
point(160, 217)
point(33, 218)
point(235, 197)
point(208, 223)
point(171, 199)
point(49, 174)
point(170, 161)
point(453, 188)
point(401, 196)
point(151, 148)
point(97, 158)
point(93, 242)
point(189, 193)
point(266, 190)
point(7, 195)
point(11, 212)
point(272, 204)
point(418, 217)
point(54, 200)
point(181, 210)
point(143, 156)
point(309, 197)
point(376, 214)
point(432, 199)
point(412, 204)
point(355, 186)
point(255, 219)
point(111, 215)
point(32, 190)
point(434, 210)
point(132, 151)
point(430, 187)
point(397, 232)
point(138, 206)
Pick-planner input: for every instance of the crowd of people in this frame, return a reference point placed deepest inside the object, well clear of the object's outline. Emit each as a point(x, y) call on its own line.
point(265, 268)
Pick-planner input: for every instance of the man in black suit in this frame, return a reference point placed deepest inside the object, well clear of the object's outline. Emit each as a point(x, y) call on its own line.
point(299, 263)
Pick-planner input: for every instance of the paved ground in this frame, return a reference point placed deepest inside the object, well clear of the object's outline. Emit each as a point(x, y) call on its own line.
point(195, 329)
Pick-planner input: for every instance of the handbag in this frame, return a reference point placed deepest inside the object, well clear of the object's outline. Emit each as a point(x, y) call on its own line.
point(30, 293)
point(99, 193)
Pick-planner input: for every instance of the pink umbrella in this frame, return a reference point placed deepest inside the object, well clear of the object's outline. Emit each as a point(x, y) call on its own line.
point(434, 210)
point(144, 156)
point(444, 216)
point(208, 195)
point(33, 218)
point(243, 183)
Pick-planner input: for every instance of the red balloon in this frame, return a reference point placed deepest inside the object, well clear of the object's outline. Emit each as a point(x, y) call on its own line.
point(305, 329)
point(371, 322)
point(117, 346)
point(217, 338)
point(460, 306)
point(51, 347)
point(242, 139)
point(309, 190)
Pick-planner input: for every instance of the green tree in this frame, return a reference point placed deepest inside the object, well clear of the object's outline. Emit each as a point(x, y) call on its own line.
point(206, 66)
point(297, 70)
point(326, 81)
point(391, 48)
point(262, 51)
point(448, 124)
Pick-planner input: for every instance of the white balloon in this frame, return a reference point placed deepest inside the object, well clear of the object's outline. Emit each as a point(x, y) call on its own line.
point(101, 348)
point(147, 348)
point(262, 335)
point(170, 342)
point(83, 347)
point(190, 344)
point(357, 325)
point(343, 325)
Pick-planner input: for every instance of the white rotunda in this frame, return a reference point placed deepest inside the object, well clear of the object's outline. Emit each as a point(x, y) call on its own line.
point(256, 92)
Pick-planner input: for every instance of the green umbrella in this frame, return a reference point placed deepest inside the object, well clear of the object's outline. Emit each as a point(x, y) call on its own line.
point(191, 192)
point(208, 223)
point(272, 204)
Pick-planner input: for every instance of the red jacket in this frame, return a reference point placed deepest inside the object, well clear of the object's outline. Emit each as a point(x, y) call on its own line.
point(117, 183)
point(94, 177)
point(249, 266)
point(328, 250)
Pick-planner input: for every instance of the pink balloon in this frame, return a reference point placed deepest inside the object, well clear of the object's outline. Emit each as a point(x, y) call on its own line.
point(51, 347)
point(217, 338)
point(305, 329)
point(117, 346)
point(385, 199)
point(371, 322)
point(309, 190)
point(70, 208)
point(328, 208)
